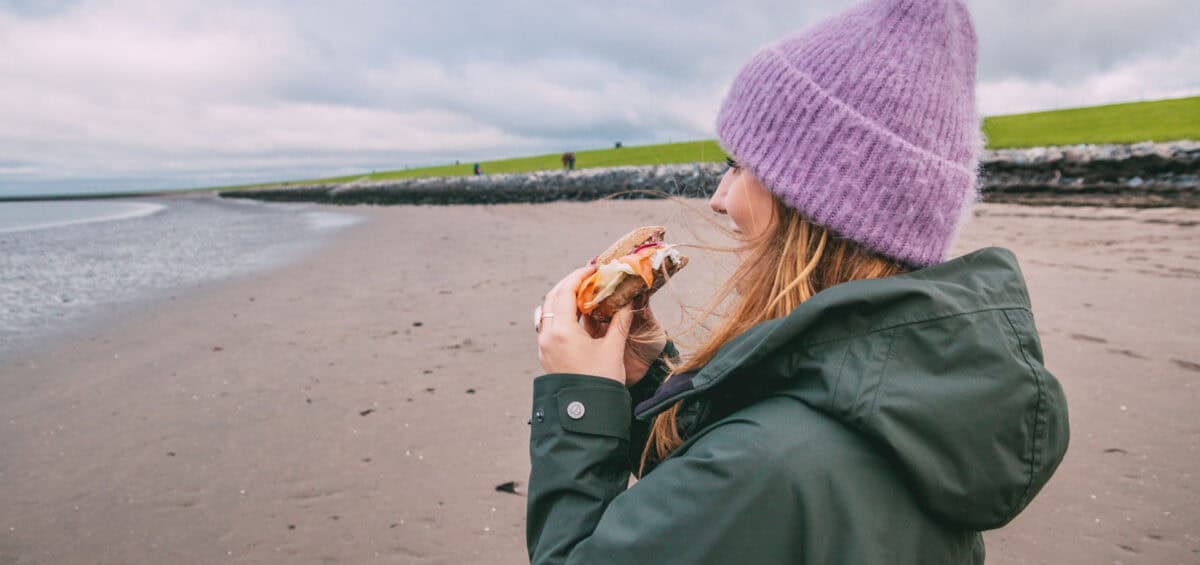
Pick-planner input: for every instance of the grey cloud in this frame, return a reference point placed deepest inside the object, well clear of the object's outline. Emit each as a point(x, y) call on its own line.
point(36, 8)
point(153, 94)
point(1069, 40)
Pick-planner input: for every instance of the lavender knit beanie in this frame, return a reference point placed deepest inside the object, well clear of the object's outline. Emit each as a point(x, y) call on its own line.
point(866, 124)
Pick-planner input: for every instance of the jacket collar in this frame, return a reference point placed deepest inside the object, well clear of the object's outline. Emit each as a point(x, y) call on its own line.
point(980, 279)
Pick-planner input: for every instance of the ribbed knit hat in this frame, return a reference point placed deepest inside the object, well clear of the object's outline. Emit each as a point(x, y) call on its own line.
point(866, 124)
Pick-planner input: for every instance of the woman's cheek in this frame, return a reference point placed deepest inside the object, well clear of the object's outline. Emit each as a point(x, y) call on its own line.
point(739, 211)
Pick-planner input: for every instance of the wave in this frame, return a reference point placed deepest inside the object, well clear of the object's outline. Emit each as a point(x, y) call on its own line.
point(131, 210)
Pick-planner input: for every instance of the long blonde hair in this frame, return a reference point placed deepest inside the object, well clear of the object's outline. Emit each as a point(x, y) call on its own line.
point(781, 268)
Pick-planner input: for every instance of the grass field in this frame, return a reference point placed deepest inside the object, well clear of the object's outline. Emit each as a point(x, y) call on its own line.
point(1161, 120)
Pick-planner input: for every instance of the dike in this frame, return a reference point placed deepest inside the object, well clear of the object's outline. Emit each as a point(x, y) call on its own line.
point(1138, 175)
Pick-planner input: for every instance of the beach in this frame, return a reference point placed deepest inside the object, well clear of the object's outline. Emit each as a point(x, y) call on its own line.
point(65, 263)
point(362, 404)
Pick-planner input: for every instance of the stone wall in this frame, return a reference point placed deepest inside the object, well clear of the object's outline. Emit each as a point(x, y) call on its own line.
point(1142, 175)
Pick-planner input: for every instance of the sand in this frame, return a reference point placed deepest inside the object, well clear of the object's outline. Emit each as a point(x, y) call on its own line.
point(362, 405)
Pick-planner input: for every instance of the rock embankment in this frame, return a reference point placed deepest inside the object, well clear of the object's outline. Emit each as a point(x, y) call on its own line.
point(1141, 175)
point(695, 179)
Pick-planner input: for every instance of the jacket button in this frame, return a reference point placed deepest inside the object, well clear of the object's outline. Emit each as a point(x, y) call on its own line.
point(575, 410)
point(540, 415)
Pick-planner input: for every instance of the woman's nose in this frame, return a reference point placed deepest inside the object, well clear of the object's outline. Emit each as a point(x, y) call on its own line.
point(716, 204)
point(717, 201)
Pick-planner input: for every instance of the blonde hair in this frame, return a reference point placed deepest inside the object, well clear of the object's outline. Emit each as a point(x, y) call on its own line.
point(788, 263)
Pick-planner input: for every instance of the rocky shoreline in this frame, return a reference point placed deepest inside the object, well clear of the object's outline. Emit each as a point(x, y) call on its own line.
point(1138, 175)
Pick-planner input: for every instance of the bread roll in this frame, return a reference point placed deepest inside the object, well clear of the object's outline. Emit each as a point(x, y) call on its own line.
point(632, 286)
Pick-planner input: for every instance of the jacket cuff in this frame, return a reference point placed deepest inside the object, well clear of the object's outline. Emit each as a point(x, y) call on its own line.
point(584, 404)
point(655, 375)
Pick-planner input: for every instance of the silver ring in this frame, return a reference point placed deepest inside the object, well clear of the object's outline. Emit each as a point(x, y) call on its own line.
point(538, 316)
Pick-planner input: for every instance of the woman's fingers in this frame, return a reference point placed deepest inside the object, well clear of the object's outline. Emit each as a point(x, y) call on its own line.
point(559, 310)
point(594, 328)
point(561, 299)
point(567, 286)
point(643, 316)
point(618, 327)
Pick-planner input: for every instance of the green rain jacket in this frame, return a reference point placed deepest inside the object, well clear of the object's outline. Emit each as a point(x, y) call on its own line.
point(882, 421)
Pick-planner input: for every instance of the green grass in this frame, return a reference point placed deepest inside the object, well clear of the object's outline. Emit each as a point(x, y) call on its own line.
point(665, 153)
point(1161, 120)
point(686, 152)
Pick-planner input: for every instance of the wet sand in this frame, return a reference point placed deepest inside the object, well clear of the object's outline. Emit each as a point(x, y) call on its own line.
point(363, 404)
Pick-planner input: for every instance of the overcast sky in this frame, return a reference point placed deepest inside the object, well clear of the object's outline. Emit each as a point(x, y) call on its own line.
point(141, 94)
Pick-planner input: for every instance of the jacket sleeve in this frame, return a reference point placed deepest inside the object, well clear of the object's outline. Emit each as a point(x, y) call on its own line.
point(714, 502)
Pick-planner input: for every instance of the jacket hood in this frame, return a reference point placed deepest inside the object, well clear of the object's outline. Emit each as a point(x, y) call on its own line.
point(941, 367)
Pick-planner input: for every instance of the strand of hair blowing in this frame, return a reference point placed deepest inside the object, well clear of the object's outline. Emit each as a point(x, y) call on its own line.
point(783, 267)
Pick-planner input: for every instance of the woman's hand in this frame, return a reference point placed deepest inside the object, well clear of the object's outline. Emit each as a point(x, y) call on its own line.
point(564, 346)
point(645, 343)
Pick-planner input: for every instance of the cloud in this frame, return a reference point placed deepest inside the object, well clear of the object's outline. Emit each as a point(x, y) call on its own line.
point(134, 94)
point(1145, 77)
point(1070, 41)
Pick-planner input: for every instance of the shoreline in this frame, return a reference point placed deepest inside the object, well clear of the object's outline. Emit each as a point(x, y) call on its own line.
point(363, 403)
point(86, 310)
point(143, 209)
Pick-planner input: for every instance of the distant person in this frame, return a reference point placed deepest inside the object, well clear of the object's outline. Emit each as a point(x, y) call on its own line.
point(617, 145)
point(477, 169)
point(861, 398)
point(568, 160)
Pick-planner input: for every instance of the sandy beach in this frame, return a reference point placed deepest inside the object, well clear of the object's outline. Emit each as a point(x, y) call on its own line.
point(362, 405)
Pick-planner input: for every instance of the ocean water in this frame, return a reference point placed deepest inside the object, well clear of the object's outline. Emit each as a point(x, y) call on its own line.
point(28, 216)
point(65, 263)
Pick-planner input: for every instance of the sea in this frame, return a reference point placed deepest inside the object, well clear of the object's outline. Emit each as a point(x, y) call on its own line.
point(67, 263)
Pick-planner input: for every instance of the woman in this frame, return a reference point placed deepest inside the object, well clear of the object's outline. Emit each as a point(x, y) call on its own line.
point(863, 399)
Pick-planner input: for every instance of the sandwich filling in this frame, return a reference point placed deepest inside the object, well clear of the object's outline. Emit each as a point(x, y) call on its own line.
point(643, 262)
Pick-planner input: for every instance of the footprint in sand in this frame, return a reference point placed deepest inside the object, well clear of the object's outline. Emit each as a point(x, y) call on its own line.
point(1091, 338)
point(1127, 353)
point(1189, 365)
